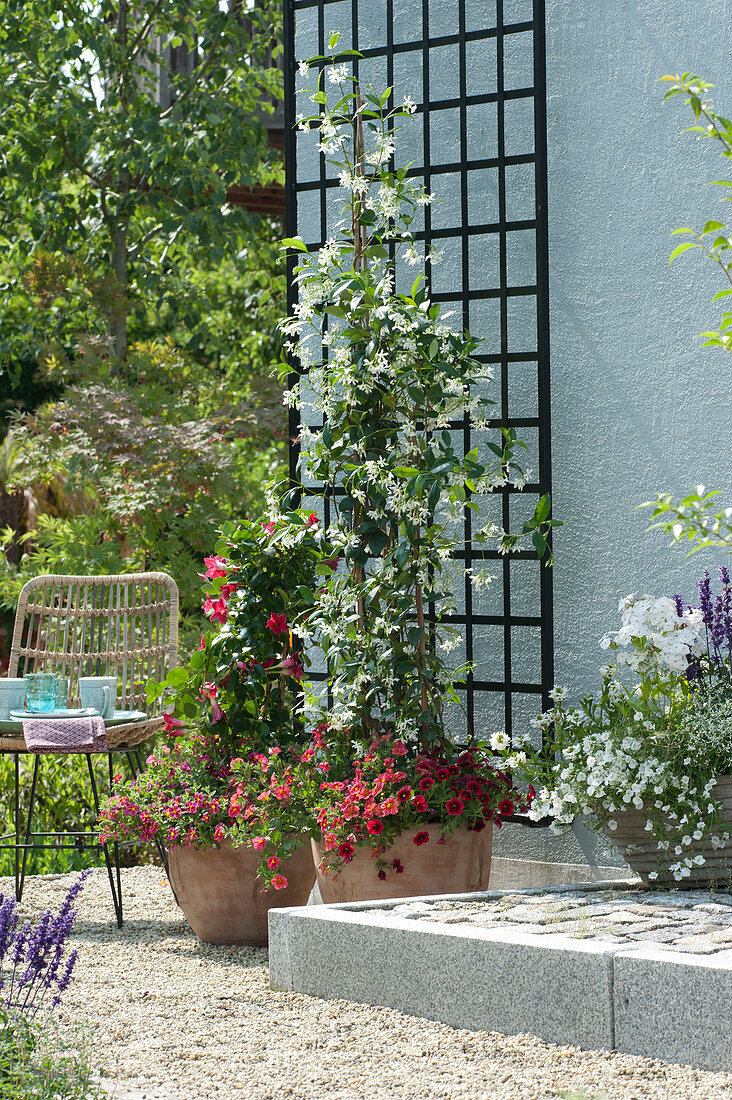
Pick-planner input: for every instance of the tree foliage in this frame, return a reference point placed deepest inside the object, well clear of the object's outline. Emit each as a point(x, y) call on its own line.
point(122, 127)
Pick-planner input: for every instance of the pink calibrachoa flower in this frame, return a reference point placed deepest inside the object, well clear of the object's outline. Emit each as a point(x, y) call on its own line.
point(375, 826)
point(277, 623)
point(216, 567)
point(419, 803)
point(259, 843)
point(219, 833)
point(279, 882)
point(273, 863)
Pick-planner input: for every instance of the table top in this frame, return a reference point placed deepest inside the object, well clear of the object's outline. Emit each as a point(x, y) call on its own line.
point(119, 718)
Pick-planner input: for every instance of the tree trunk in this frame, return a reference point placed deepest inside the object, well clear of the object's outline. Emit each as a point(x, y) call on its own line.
point(118, 317)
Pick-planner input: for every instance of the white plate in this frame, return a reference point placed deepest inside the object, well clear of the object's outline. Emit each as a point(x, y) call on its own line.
point(74, 712)
point(120, 716)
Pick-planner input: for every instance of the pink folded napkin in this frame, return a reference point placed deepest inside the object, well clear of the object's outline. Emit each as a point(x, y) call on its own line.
point(86, 734)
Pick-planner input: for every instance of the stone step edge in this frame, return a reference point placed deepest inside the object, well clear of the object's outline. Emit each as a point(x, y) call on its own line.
point(587, 993)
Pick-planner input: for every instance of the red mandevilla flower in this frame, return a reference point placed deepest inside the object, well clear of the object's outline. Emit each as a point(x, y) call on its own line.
point(277, 623)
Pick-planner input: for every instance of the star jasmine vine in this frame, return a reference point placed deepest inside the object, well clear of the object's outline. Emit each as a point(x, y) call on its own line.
point(394, 386)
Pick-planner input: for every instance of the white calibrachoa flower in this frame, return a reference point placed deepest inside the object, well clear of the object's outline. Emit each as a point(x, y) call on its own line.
point(500, 741)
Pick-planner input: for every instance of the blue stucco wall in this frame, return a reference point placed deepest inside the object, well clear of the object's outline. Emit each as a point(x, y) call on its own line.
point(637, 404)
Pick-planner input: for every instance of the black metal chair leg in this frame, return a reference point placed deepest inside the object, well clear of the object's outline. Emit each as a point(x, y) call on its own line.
point(158, 844)
point(28, 826)
point(16, 809)
point(116, 893)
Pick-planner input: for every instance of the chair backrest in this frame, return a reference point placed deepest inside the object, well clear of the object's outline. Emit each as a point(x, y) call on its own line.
point(124, 626)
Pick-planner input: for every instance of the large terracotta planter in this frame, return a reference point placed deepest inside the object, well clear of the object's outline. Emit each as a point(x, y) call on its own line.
point(217, 890)
point(639, 850)
point(459, 866)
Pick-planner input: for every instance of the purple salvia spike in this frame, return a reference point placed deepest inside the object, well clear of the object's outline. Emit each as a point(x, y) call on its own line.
point(705, 598)
point(717, 632)
point(678, 604)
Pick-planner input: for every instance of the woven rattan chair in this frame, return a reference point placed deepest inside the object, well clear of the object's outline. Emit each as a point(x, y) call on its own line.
point(124, 626)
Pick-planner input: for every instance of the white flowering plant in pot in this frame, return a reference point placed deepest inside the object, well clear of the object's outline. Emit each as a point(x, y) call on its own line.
point(394, 386)
point(644, 755)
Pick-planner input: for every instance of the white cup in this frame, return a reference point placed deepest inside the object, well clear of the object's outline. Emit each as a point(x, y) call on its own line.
point(12, 696)
point(99, 692)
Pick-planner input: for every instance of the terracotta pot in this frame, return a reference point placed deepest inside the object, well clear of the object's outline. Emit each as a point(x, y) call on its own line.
point(459, 866)
point(217, 890)
point(638, 848)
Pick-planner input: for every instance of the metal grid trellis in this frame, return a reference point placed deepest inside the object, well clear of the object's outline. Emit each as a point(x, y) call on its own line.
point(478, 143)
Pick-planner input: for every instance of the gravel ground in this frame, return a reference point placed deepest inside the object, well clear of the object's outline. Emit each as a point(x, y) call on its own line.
point(175, 1019)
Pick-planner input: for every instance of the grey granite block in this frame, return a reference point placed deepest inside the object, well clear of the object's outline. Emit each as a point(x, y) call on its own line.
point(674, 1006)
point(507, 981)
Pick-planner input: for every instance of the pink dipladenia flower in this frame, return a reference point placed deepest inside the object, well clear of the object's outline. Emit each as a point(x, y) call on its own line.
point(215, 610)
point(216, 567)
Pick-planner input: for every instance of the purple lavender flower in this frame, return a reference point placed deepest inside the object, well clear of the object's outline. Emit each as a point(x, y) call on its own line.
point(678, 604)
point(37, 952)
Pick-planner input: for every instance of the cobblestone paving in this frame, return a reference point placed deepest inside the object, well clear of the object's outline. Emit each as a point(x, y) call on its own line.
point(698, 923)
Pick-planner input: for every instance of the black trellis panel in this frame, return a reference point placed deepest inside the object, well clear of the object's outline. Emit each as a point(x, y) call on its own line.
point(478, 142)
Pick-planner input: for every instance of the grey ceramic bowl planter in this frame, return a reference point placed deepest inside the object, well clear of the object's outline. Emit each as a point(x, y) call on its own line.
point(638, 848)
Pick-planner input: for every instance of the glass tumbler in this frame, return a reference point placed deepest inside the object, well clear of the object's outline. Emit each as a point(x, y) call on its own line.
point(40, 691)
point(62, 692)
